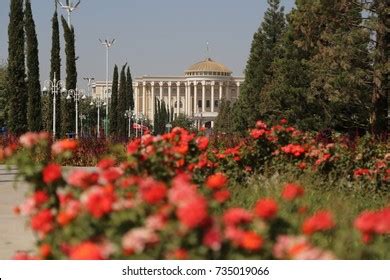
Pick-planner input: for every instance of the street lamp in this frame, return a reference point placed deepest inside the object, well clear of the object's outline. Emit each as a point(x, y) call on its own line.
point(98, 103)
point(55, 87)
point(82, 118)
point(129, 115)
point(76, 95)
point(107, 44)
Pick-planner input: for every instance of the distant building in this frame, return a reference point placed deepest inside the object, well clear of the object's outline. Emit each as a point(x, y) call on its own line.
point(197, 94)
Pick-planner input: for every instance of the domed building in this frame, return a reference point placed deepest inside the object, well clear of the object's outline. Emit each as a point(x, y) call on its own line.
point(197, 94)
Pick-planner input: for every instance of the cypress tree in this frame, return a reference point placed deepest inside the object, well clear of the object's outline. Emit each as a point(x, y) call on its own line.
point(121, 107)
point(16, 87)
point(34, 109)
point(130, 91)
point(3, 95)
point(258, 70)
point(55, 71)
point(71, 76)
point(114, 103)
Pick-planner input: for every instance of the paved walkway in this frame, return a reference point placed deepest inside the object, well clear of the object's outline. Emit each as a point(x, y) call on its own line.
point(14, 235)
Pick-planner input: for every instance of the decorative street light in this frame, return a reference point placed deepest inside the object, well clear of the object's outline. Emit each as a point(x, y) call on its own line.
point(129, 115)
point(98, 103)
point(54, 87)
point(76, 95)
point(107, 44)
point(82, 118)
point(69, 7)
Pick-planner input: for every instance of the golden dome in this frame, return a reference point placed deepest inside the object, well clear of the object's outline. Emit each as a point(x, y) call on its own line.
point(208, 67)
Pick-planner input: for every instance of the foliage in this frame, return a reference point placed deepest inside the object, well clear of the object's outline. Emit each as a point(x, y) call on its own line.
point(130, 93)
point(114, 103)
point(161, 117)
point(3, 95)
point(68, 106)
point(16, 84)
point(226, 203)
point(34, 109)
point(122, 106)
point(224, 122)
point(183, 122)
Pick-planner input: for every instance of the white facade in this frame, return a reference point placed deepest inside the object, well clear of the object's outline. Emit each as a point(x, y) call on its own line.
point(199, 92)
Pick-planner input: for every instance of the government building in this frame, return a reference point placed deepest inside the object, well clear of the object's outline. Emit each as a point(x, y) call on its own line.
point(197, 94)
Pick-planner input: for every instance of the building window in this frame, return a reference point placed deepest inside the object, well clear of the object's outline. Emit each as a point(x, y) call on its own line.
point(216, 103)
point(207, 103)
point(199, 103)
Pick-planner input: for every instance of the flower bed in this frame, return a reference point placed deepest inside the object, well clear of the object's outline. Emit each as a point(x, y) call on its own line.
point(167, 197)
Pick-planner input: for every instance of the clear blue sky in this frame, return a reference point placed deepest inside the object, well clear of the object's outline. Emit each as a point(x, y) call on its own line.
point(155, 37)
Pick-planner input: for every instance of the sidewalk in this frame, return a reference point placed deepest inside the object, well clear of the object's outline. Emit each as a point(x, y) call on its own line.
point(14, 235)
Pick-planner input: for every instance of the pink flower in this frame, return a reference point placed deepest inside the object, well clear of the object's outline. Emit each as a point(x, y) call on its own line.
point(193, 213)
point(137, 239)
point(82, 179)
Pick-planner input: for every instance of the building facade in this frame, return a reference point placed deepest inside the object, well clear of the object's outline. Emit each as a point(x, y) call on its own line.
point(197, 94)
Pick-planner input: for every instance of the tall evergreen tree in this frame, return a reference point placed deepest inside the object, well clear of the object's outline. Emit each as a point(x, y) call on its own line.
point(130, 91)
point(71, 77)
point(121, 107)
point(223, 122)
point(16, 88)
point(3, 95)
point(55, 71)
point(114, 103)
point(257, 71)
point(34, 109)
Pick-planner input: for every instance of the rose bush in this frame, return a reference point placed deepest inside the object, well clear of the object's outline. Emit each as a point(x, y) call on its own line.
point(169, 196)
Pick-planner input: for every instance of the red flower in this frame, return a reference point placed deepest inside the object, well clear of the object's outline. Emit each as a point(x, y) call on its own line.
point(86, 251)
point(251, 241)
point(51, 173)
point(266, 208)
point(45, 250)
point(106, 163)
point(257, 133)
point(111, 174)
point(261, 125)
point(133, 146)
point(213, 238)
point(293, 149)
point(291, 191)
point(222, 196)
point(283, 121)
point(216, 181)
point(40, 197)
point(202, 142)
point(82, 179)
point(152, 191)
point(373, 222)
point(362, 172)
point(178, 254)
point(235, 216)
point(99, 201)
point(320, 221)
point(193, 213)
point(43, 222)
point(63, 146)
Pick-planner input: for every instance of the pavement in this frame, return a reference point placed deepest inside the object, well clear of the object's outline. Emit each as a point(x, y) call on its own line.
point(14, 235)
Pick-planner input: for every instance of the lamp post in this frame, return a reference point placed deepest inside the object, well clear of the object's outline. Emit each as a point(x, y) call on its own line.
point(107, 44)
point(55, 87)
point(82, 118)
point(129, 115)
point(98, 103)
point(76, 94)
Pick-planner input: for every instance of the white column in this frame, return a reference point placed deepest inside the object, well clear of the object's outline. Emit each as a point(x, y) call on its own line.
point(220, 92)
point(195, 97)
point(169, 96)
point(161, 91)
point(185, 98)
point(177, 98)
point(136, 99)
point(212, 96)
point(203, 96)
point(153, 101)
point(144, 98)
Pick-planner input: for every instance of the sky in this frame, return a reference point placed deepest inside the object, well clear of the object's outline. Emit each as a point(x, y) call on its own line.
point(154, 37)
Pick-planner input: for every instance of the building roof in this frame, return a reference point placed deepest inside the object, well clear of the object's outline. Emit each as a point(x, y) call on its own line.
point(208, 65)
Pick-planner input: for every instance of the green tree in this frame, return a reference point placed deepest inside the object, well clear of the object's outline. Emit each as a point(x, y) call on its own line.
point(130, 91)
point(114, 103)
point(182, 121)
point(121, 106)
point(3, 95)
point(257, 72)
point(71, 76)
point(16, 87)
point(34, 109)
point(161, 117)
point(223, 122)
point(55, 72)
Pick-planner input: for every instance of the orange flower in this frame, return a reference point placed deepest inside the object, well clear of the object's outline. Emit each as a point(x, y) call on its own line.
point(63, 146)
point(86, 251)
point(216, 181)
point(266, 208)
point(202, 142)
point(45, 250)
point(251, 241)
